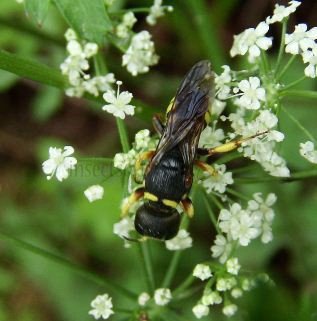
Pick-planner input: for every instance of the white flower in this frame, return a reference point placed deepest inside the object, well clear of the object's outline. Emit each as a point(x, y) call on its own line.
point(98, 84)
point(202, 271)
point(143, 298)
point(217, 107)
point(252, 94)
point(200, 310)
point(301, 39)
point(263, 214)
point(156, 11)
point(102, 307)
point(211, 298)
point(236, 293)
point(252, 41)
point(218, 181)
point(211, 137)
point(124, 227)
point(94, 192)
point(124, 160)
point(307, 150)
point(310, 57)
point(224, 284)
point(222, 83)
point(229, 217)
point(128, 21)
point(281, 12)
point(59, 162)
point(119, 103)
point(142, 139)
point(180, 242)
point(70, 34)
point(140, 54)
point(222, 248)
point(229, 310)
point(162, 296)
point(233, 266)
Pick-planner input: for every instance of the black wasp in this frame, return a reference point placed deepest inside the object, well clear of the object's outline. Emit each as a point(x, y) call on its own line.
point(168, 177)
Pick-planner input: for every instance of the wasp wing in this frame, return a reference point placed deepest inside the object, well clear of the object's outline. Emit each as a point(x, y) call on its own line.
point(185, 120)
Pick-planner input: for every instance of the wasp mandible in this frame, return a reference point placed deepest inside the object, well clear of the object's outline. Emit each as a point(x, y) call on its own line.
point(168, 177)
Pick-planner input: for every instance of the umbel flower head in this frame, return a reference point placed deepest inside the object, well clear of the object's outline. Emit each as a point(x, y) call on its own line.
point(59, 162)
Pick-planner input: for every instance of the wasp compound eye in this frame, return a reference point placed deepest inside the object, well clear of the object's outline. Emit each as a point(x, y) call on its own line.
point(150, 222)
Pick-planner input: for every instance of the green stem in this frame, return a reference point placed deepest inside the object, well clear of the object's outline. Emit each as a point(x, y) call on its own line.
point(67, 264)
point(299, 93)
point(294, 177)
point(264, 62)
point(123, 135)
point(215, 200)
point(183, 286)
point(281, 49)
point(290, 61)
point(95, 159)
point(294, 83)
point(299, 125)
point(147, 265)
point(237, 194)
point(171, 269)
point(211, 214)
point(99, 63)
point(207, 31)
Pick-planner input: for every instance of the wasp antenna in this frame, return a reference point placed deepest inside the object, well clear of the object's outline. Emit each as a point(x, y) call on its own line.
point(140, 239)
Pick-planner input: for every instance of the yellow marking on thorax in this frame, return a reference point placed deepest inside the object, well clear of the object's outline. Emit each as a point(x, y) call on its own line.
point(150, 196)
point(169, 203)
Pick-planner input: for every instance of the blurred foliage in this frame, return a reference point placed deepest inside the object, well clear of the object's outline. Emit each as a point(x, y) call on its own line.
point(58, 218)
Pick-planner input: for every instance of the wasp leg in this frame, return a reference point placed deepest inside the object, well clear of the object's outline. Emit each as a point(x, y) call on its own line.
point(188, 207)
point(158, 124)
point(138, 164)
point(206, 167)
point(227, 147)
point(132, 199)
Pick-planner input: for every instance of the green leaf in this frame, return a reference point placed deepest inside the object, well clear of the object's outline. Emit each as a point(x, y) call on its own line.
point(37, 9)
point(88, 18)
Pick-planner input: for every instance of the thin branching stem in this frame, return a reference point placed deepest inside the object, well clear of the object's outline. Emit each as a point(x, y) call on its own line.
point(211, 213)
point(288, 64)
point(281, 49)
point(172, 268)
point(147, 265)
point(108, 284)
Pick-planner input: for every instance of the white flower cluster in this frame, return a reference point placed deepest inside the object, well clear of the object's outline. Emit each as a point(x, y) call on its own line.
point(308, 151)
point(281, 12)
point(124, 28)
point(181, 241)
point(252, 41)
point(101, 307)
point(157, 11)
point(218, 181)
point(223, 282)
point(242, 225)
point(140, 54)
point(59, 162)
point(76, 65)
point(162, 296)
point(260, 148)
point(142, 142)
point(303, 41)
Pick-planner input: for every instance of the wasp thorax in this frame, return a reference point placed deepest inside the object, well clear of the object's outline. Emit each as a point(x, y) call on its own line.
point(151, 222)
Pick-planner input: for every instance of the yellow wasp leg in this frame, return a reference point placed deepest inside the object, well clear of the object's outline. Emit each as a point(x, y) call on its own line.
point(206, 167)
point(234, 144)
point(132, 199)
point(138, 164)
point(188, 207)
